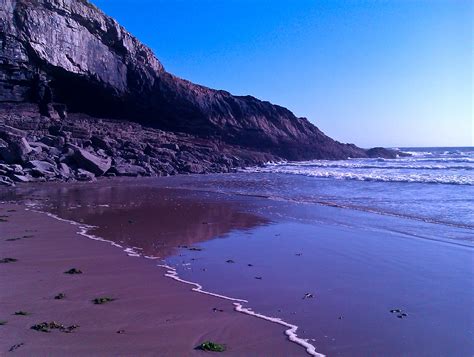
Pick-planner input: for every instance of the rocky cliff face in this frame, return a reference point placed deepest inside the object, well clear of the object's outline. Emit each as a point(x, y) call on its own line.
point(66, 56)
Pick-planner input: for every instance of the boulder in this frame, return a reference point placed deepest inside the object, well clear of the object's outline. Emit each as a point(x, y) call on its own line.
point(128, 170)
point(42, 168)
point(84, 175)
point(16, 151)
point(64, 170)
point(6, 181)
point(90, 162)
point(21, 178)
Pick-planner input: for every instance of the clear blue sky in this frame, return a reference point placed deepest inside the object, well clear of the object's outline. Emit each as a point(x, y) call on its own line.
point(389, 73)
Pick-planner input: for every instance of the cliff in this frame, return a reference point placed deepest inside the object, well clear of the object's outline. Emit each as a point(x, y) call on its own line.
point(66, 56)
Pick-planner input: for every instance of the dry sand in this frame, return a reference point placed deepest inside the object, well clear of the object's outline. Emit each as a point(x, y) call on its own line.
point(159, 316)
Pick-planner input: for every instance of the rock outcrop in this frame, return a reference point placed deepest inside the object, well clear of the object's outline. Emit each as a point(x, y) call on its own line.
point(59, 57)
point(81, 148)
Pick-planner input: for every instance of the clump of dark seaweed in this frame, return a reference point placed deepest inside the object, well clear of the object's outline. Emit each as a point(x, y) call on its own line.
point(3, 322)
point(102, 300)
point(73, 271)
point(8, 260)
point(53, 325)
point(60, 296)
point(14, 347)
point(196, 249)
point(22, 313)
point(211, 346)
point(399, 312)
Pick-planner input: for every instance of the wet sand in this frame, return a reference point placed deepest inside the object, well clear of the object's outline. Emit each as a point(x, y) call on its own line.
point(156, 315)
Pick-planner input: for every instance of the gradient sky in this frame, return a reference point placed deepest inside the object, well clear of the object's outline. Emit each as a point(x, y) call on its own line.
point(388, 73)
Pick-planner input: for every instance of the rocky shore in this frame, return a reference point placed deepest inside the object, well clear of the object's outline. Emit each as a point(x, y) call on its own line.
point(80, 148)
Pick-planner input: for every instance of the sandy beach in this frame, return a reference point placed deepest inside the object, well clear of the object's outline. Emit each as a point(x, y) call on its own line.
point(152, 315)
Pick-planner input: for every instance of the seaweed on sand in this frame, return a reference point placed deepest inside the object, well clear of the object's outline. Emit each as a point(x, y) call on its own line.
point(211, 346)
point(102, 300)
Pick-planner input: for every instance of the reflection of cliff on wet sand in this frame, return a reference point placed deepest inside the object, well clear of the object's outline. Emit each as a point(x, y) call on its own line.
point(155, 219)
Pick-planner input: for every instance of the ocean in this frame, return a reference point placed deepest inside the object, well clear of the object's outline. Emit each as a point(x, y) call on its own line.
point(433, 185)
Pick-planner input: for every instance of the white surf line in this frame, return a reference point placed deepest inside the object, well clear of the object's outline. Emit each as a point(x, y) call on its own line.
point(173, 274)
point(290, 332)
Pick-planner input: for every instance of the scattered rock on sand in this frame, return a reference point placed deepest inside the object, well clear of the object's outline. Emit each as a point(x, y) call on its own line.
point(60, 296)
point(308, 296)
point(229, 261)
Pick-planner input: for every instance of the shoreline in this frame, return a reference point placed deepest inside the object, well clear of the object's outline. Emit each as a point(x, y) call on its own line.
point(226, 326)
point(172, 273)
